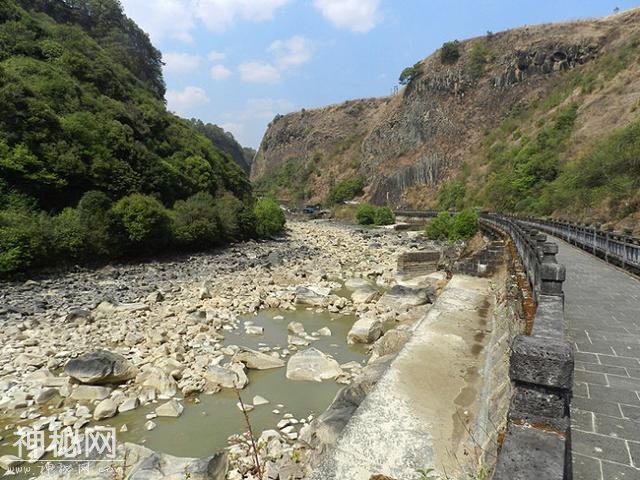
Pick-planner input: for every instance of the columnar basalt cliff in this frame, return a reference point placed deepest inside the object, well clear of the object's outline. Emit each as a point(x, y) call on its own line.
point(444, 122)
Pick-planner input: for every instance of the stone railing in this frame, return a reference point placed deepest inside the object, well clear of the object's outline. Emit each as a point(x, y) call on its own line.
point(537, 443)
point(620, 249)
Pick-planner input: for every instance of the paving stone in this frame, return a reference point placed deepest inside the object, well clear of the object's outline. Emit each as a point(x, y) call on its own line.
point(600, 446)
point(614, 471)
point(582, 420)
point(624, 382)
point(586, 468)
point(617, 427)
point(634, 449)
point(597, 368)
point(609, 394)
point(590, 377)
point(597, 406)
point(631, 412)
point(618, 361)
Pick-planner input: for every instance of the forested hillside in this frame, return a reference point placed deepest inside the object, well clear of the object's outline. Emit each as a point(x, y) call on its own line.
point(91, 162)
point(226, 142)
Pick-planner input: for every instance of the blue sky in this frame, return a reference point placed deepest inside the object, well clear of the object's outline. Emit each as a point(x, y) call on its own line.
point(238, 63)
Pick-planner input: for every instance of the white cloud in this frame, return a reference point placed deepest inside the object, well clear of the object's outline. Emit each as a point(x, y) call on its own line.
point(259, 72)
point(166, 18)
point(355, 15)
point(216, 56)
point(218, 15)
point(176, 19)
point(220, 72)
point(181, 102)
point(294, 51)
point(180, 63)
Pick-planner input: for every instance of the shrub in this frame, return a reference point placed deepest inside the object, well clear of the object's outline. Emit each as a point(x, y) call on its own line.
point(270, 218)
point(440, 227)
point(346, 190)
point(450, 52)
point(478, 58)
point(236, 219)
point(196, 222)
point(23, 240)
point(143, 221)
point(366, 214)
point(68, 237)
point(94, 216)
point(384, 216)
point(409, 73)
point(464, 225)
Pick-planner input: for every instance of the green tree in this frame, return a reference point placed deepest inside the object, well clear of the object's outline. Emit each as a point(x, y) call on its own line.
point(439, 228)
point(464, 225)
point(143, 221)
point(450, 52)
point(270, 218)
point(366, 214)
point(384, 216)
point(409, 73)
point(196, 223)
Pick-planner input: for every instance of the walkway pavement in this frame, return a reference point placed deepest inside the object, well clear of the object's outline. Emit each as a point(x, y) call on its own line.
point(602, 307)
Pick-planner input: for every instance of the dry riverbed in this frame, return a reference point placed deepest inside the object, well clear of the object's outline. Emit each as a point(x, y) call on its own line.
point(157, 350)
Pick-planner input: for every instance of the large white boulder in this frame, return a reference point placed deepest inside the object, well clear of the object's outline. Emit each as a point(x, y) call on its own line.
point(365, 330)
point(313, 366)
point(257, 360)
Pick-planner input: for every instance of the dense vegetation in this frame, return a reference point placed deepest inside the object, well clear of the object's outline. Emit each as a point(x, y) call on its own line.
point(527, 169)
point(346, 190)
point(450, 52)
point(372, 215)
point(462, 226)
point(225, 142)
point(91, 163)
point(409, 73)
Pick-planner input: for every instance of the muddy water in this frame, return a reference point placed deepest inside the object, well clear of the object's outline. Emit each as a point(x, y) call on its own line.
point(204, 427)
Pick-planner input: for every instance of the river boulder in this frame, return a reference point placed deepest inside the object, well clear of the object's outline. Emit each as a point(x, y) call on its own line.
point(257, 360)
point(365, 330)
point(100, 367)
point(313, 366)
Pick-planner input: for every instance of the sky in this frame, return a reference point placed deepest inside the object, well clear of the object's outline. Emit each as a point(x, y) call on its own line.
point(238, 63)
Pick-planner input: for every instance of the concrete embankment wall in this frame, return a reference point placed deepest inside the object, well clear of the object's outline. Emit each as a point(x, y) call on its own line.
point(444, 398)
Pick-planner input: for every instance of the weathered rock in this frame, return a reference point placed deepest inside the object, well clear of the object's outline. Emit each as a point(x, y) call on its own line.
point(314, 296)
point(356, 283)
point(312, 365)
point(257, 360)
point(129, 404)
point(390, 343)
point(296, 328)
point(365, 294)
point(365, 330)
point(232, 377)
point(170, 409)
point(254, 330)
point(405, 297)
point(159, 380)
point(107, 408)
point(90, 393)
point(100, 367)
point(258, 400)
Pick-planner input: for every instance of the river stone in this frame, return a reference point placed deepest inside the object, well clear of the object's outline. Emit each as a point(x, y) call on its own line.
point(257, 360)
point(314, 296)
point(258, 400)
point(355, 283)
point(159, 380)
point(100, 367)
point(170, 409)
point(46, 395)
point(226, 377)
point(107, 408)
point(366, 294)
point(129, 404)
point(312, 365)
point(365, 330)
point(254, 330)
point(90, 393)
point(405, 297)
point(10, 461)
point(390, 343)
point(295, 328)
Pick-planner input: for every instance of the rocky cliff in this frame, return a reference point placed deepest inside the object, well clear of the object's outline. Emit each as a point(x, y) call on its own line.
point(443, 124)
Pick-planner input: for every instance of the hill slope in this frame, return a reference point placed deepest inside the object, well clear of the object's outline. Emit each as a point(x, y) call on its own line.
point(512, 121)
point(82, 108)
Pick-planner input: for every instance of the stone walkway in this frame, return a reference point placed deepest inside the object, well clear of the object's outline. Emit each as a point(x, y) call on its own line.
point(603, 322)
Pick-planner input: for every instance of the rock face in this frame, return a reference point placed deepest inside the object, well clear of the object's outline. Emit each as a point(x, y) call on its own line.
point(408, 144)
point(257, 360)
point(100, 367)
point(365, 330)
point(313, 366)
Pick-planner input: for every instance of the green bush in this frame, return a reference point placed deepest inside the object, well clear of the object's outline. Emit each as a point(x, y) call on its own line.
point(366, 214)
point(270, 218)
point(196, 223)
point(24, 240)
point(478, 59)
point(440, 227)
point(68, 237)
point(384, 216)
point(450, 52)
point(143, 222)
point(237, 221)
point(95, 217)
point(346, 190)
point(409, 73)
point(464, 225)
